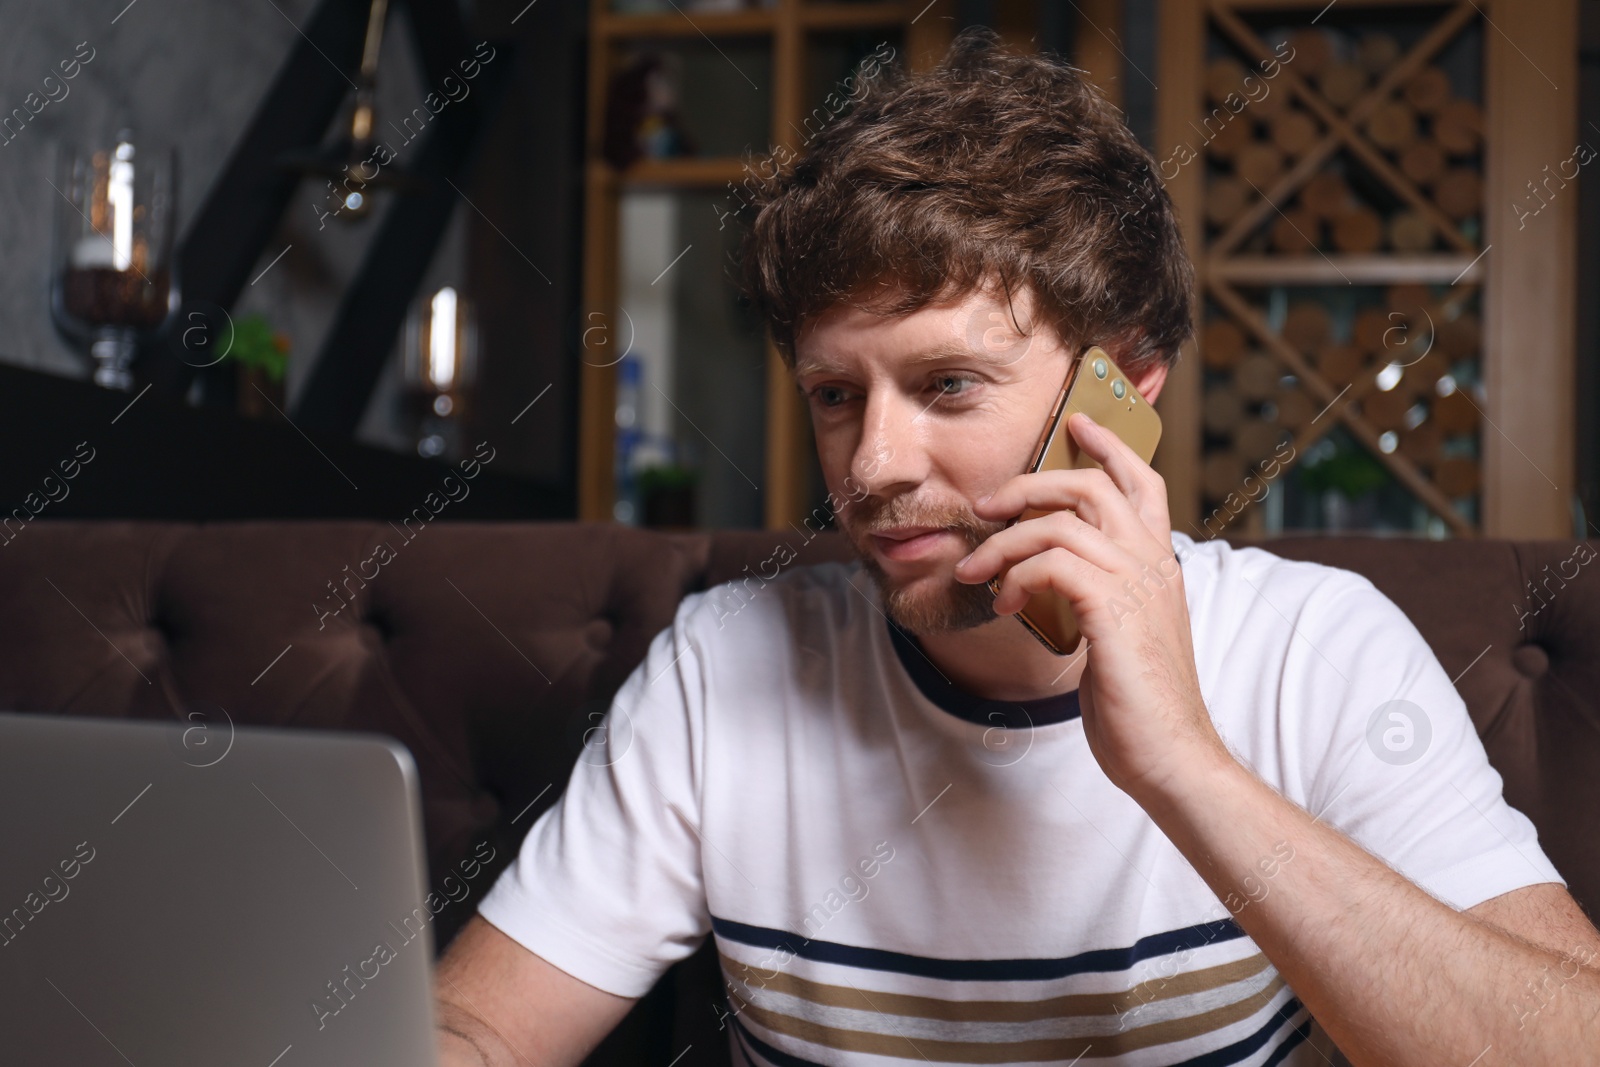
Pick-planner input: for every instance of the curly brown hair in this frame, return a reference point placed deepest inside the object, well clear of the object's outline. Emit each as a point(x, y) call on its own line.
point(992, 169)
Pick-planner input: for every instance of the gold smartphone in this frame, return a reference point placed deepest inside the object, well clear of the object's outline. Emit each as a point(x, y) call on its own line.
point(1096, 386)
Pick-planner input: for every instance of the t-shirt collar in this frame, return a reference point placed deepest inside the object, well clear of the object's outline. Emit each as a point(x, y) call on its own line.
point(1011, 714)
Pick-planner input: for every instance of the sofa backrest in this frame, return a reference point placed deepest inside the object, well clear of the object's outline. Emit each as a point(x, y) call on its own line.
point(490, 649)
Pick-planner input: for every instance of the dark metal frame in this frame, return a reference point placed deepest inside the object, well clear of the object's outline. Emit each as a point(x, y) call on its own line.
point(241, 212)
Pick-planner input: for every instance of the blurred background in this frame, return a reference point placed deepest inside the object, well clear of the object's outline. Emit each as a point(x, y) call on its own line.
point(296, 258)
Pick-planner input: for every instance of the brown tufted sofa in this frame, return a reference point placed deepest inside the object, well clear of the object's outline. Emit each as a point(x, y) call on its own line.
point(487, 648)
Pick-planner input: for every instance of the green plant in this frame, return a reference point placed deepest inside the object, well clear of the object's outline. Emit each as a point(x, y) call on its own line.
point(251, 341)
point(1351, 471)
point(664, 477)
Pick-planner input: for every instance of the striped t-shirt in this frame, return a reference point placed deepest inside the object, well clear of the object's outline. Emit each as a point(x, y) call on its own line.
point(898, 872)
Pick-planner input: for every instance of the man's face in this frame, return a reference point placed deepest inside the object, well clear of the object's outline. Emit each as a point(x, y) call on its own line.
point(916, 417)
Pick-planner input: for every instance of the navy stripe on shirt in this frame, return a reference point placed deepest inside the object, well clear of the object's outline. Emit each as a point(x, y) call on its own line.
point(1246, 1047)
point(1018, 970)
point(768, 1052)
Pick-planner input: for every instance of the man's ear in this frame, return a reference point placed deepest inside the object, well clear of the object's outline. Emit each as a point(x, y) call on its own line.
point(1150, 380)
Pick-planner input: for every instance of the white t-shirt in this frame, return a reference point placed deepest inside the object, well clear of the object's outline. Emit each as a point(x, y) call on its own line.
point(895, 871)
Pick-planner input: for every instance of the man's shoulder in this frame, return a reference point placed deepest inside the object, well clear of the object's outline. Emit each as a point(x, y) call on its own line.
point(1241, 581)
point(1215, 557)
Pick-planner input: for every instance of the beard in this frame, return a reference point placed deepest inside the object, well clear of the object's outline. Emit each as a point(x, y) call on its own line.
point(924, 605)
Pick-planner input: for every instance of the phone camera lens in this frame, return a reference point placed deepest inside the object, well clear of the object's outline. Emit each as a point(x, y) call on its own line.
point(1119, 388)
point(1099, 368)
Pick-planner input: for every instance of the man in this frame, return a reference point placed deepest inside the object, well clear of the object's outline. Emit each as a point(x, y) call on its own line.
point(917, 834)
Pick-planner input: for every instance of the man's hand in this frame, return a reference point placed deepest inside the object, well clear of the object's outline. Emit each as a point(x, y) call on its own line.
point(1394, 975)
point(1110, 556)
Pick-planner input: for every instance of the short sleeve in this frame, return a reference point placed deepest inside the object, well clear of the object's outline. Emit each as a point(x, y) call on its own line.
point(1390, 755)
point(608, 884)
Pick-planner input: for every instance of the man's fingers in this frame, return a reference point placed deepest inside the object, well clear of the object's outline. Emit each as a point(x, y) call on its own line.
point(1056, 569)
point(1061, 529)
point(1138, 482)
point(1124, 487)
point(1089, 492)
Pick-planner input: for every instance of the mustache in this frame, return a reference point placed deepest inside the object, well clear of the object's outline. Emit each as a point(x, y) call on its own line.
point(873, 514)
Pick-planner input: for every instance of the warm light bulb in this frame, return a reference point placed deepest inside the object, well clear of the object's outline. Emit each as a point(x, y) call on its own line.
point(442, 339)
point(119, 195)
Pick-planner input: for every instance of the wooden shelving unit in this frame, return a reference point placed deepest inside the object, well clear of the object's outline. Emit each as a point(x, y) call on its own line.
point(1509, 296)
point(810, 16)
point(1337, 269)
point(788, 28)
point(670, 173)
point(1506, 298)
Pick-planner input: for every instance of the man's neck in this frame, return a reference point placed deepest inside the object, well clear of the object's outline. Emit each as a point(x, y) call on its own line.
point(1002, 661)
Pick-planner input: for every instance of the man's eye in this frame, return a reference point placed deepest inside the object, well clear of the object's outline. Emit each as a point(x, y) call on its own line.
point(951, 384)
point(828, 396)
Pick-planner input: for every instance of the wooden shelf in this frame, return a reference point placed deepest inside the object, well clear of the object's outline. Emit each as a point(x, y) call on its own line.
point(683, 24)
point(813, 17)
point(790, 28)
point(684, 173)
point(1312, 269)
point(822, 17)
point(1524, 283)
point(1317, 5)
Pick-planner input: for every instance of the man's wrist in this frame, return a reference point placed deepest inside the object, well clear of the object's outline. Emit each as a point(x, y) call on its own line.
point(1206, 774)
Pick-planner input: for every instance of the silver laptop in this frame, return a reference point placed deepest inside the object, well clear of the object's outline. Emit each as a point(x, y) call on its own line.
point(204, 893)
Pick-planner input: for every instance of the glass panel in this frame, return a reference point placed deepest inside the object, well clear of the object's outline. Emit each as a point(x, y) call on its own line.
point(691, 404)
point(833, 57)
point(689, 97)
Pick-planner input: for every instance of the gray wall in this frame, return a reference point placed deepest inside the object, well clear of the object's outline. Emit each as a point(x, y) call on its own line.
point(190, 72)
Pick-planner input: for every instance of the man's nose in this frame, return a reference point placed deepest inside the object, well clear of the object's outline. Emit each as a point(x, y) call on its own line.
point(891, 455)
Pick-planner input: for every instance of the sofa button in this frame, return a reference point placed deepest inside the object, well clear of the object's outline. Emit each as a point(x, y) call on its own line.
point(1532, 660)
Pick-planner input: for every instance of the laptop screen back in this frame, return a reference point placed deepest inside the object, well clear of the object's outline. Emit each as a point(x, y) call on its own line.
point(210, 894)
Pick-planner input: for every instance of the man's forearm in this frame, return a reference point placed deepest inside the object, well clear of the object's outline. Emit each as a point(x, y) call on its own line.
point(1395, 976)
point(464, 1040)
